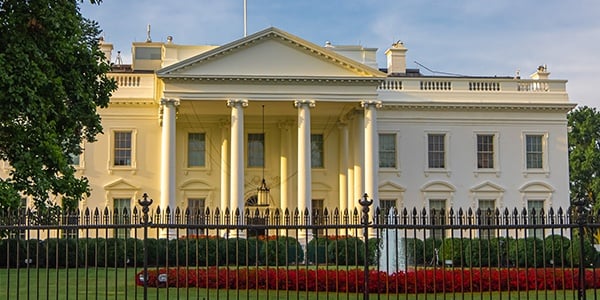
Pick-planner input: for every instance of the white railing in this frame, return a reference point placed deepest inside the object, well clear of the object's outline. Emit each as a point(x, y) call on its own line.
point(127, 80)
point(480, 85)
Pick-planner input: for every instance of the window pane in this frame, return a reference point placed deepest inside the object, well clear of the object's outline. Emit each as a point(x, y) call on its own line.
point(487, 208)
point(256, 150)
point(537, 206)
point(436, 151)
point(437, 210)
point(196, 150)
point(534, 152)
point(387, 150)
point(74, 159)
point(122, 151)
point(196, 216)
point(120, 206)
point(485, 151)
point(316, 151)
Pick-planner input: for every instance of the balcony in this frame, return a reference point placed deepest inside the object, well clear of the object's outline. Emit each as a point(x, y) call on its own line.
point(134, 86)
point(465, 89)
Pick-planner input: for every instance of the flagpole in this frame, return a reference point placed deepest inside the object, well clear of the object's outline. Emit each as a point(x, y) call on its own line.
point(245, 21)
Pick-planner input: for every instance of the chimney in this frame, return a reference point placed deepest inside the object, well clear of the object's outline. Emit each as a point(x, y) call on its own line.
point(541, 73)
point(396, 58)
point(106, 48)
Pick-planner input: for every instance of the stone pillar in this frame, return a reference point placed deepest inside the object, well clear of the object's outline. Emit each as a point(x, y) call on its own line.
point(167, 161)
point(359, 161)
point(284, 163)
point(343, 168)
point(237, 154)
point(304, 169)
point(371, 147)
point(225, 131)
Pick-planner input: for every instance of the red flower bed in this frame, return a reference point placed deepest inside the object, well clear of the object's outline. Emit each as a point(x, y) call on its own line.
point(420, 281)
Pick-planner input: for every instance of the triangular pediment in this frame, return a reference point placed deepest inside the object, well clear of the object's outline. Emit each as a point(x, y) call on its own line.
point(120, 184)
point(487, 187)
point(271, 53)
point(391, 187)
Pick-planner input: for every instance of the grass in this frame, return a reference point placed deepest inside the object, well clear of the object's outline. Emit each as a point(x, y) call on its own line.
point(119, 283)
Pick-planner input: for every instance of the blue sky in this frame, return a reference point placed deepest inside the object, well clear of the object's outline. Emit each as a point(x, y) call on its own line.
point(469, 37)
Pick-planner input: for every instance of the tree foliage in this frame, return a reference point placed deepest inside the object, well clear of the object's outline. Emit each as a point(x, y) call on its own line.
point(584, 156)
point(53, 76)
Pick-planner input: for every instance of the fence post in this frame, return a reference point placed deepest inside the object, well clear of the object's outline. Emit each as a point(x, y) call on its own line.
point(145, 203)
point(365, 203)
point(581, 222)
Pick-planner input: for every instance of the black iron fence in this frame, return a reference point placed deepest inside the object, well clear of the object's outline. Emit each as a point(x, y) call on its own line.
point(261, 253)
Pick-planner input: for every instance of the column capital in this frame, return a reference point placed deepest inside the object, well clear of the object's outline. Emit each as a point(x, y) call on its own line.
point(169, 101)
point(310, 103)
point(236, 102)
point(367, 103)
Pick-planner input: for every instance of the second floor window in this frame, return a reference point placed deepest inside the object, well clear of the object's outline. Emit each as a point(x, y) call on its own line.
point(256, 150)
point(534, 151)
point(196, 150)
point(436, 151)
point(316, 151)
point(387, 150)
point(485, 151)
point(122, 148)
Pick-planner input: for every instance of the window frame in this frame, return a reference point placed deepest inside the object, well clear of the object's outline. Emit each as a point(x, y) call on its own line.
point(249, 148)
point(544, 155)
point(487, 233)
point(321, 151)
point(446, 168)
point(133, 150)
point(495, 152)
point(126, 232)
point(187, 150)
point(396, 165)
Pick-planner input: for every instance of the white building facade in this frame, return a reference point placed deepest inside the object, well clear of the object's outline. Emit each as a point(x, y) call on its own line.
point(202, 126)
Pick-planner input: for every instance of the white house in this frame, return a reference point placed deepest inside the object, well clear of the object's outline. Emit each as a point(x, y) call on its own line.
point(202, 126)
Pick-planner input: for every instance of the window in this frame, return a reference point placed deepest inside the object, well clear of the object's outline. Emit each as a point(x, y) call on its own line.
point(537, 206)
point(387, 150)
point(385, 210)
point(318, 218)
point(436, 151)
point(487, 209)
point(74, 159)
point(21, 220)
point(485, 151)
point(121, 214)
point(437, 213)
point(256, 150)
point(196, 216)
point(147, 53)
point(534, 151)
point(196, 150)
point(316, 151)
point(122, 148)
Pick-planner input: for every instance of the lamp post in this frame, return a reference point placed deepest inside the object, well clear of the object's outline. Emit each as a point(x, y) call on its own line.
point(263, 190)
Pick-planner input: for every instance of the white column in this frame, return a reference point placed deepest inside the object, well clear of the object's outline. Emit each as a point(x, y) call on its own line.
point(371, 147)
point(237, 154)
point(343, 168)
point(359, 161)
point(304, 170)
point(224, 165)
point(284, 162)
point(167, 160)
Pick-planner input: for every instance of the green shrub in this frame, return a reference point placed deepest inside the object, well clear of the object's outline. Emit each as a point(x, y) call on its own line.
point(499, 249)
point(281, 251)
point(454, 249)
point(526, 252)
point(589, 253)
point(414, 251)
point(316, 250)
point(556, 249)
point(346, 251)
point(373, 250)
point(480, 252)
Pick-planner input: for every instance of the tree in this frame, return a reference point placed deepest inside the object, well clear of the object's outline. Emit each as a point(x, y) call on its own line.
point(584, 157)
point(53, 77)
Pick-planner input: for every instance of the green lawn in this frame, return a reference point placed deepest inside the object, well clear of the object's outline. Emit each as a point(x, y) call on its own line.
point(119, 283)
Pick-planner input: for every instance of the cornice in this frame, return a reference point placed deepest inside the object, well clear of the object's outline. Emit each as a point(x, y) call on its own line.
point(273, 79)
point(559, 107)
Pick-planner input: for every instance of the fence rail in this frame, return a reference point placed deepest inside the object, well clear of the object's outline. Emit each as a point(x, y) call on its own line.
point(147, 252)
